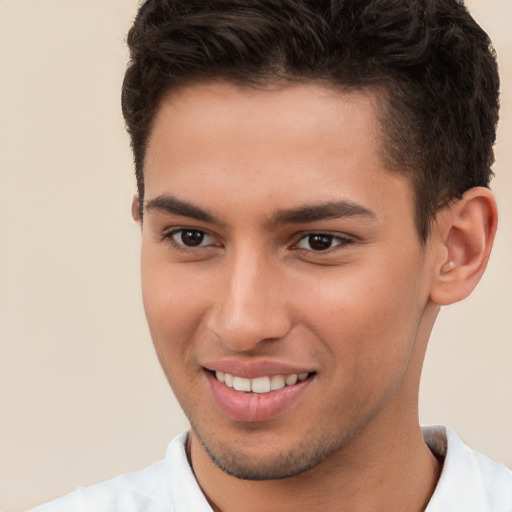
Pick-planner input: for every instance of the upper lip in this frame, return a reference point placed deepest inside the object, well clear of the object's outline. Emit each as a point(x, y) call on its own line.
point(255, 369)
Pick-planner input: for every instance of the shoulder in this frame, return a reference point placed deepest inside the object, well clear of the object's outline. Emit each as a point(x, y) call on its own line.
point(142, 490)
point(153, 489)
point(469, 481)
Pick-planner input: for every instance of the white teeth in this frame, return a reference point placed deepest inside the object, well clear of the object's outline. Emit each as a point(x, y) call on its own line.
point(259, 384)
point(228, 380)
point(277, 382)
point(291, 379)
point(241, 384)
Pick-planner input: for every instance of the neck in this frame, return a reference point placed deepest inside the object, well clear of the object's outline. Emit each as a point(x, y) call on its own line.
point(395, 472)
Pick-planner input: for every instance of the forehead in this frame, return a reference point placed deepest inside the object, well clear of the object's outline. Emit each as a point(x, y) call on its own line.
point(296, 106)
point(315, 141)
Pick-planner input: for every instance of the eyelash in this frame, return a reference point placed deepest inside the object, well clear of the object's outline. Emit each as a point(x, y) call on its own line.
point(342, 242)
point(170, 238)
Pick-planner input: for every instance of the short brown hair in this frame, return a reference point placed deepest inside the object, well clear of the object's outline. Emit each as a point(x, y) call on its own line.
point(431, 62)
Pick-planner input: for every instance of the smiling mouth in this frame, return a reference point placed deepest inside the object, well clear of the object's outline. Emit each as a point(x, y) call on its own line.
point(260, 385)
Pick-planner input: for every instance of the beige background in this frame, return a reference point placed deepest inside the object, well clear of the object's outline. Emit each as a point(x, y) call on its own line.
point(82, 397)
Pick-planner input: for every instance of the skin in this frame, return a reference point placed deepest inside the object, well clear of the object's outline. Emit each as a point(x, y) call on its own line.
point(357, 315)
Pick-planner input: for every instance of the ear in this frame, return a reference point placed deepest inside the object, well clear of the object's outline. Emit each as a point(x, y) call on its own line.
point(464, 234)
point(136, 209)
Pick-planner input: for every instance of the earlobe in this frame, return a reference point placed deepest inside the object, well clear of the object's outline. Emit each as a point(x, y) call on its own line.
point(136, 210)
point(466, 230)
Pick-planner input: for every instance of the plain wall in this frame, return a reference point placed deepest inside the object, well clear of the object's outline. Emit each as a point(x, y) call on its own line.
point(82, 397)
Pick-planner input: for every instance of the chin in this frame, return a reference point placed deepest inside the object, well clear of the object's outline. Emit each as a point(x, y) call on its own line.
point(271, 463)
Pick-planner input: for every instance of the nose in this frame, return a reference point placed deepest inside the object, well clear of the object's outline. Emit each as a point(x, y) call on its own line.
point(251, 305)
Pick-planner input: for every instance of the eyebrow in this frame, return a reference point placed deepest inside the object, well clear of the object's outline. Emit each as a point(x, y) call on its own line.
point(322, 211)
point(173, 206)
point(302, 214)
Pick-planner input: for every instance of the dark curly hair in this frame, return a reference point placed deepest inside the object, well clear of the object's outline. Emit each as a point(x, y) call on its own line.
point(431, 63)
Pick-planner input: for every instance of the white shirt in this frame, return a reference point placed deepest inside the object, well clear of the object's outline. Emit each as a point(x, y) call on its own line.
point(470, 482)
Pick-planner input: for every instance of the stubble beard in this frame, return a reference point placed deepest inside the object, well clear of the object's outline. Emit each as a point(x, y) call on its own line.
point(312, 450)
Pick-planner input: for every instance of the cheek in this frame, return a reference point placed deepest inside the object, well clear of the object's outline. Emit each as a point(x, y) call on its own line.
point(174, 303)
point(174, 312)
point(367, 318)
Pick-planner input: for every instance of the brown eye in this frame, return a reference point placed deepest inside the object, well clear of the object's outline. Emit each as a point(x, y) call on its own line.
point(319, 242)
point(190, 237)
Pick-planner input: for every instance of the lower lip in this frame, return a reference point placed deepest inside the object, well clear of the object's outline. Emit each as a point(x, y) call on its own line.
point(240, 406)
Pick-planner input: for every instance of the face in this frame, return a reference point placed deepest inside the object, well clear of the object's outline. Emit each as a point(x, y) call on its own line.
point(283, 278)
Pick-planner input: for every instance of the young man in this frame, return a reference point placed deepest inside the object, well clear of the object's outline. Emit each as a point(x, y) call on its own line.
point(312, 188)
